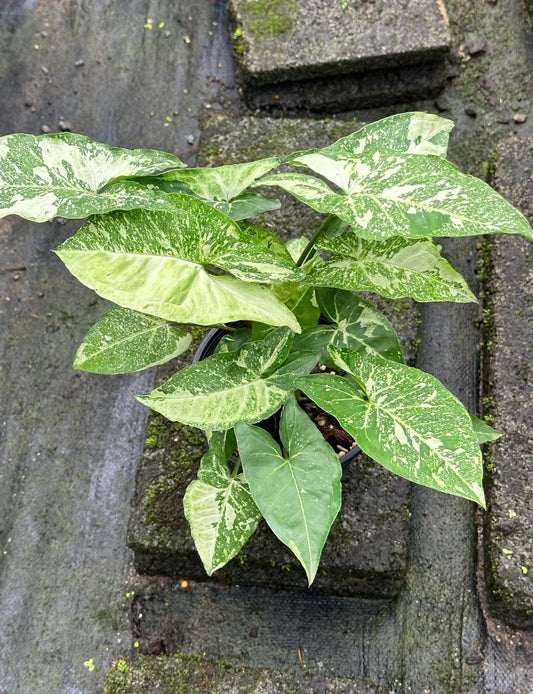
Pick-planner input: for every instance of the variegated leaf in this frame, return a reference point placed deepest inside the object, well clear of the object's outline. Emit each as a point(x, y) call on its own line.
point(298, 491)
point(158, 263)
point(394, 268)
point(219, 508)
point(353, 323)
point(66, 175)
point(484, 432)
point(248, 385)
point(267, 238)
point(123, 341)
point(404, 419)
point(386, 194)
point(223, 183)
point(413, 133)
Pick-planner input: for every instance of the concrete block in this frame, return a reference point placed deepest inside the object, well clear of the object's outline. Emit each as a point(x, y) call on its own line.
point(322, 55)
point(282, 40)
point(508, 398)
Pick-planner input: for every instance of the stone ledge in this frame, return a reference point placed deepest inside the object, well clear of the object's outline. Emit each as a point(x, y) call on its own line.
point(508, 398)
point(283, 41)
point(333, 56)
point(189, 673)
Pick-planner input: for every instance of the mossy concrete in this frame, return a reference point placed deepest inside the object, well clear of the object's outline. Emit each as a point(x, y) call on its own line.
point(328, 56)
point(278, 42)
point(189, 674)
point(508, 397)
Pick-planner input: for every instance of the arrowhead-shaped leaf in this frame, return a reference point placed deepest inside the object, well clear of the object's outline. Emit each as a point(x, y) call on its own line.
point(157, 262)
point(298, 491)
point(123, 341)
point(404, 419)
point(248, 385)
point(354, 324)
point(219, 508)
point(66, 175)
point(413, 133)
point(394, 268)
point(483, 431)
point(384, 194)
point(224, 187)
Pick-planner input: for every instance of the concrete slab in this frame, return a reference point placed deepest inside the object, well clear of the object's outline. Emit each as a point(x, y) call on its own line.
point(335, 56)
point(508, 397)
point(366, 553)
point(69, 442)
point(181, 672)
point(278, 41)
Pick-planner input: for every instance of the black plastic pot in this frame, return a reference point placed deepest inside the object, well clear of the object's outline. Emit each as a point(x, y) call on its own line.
point(207, 348)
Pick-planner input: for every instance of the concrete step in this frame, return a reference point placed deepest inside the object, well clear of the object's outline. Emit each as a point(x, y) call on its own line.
point(284, 47)
point(508, 396)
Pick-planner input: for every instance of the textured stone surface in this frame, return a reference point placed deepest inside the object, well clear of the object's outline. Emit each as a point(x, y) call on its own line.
point(509, 397)
point(345, 92)
point(70, 442)
point(327, 56)
point(366, 552)
point(283, 40)
point(184, 673)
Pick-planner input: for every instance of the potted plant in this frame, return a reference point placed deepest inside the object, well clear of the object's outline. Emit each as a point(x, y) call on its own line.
point(173, 246)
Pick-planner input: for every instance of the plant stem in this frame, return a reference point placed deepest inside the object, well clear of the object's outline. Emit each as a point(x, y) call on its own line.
point(236, 469)
point(331, 221)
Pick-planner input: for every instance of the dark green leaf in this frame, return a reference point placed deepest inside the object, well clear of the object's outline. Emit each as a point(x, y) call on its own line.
point(483, 431)
point(298, 491)
point(353, 323)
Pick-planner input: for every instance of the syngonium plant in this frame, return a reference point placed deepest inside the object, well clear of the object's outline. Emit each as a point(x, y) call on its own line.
point(172, 246)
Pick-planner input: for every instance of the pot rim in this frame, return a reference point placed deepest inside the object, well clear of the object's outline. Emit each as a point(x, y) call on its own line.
point(207, 347)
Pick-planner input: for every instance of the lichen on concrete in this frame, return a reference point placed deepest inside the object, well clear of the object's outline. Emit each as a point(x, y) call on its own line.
point(192, 674)
point(508, 397)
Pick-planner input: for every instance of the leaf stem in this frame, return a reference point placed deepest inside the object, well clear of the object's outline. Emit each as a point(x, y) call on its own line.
point(330, 222)
point(236, 469)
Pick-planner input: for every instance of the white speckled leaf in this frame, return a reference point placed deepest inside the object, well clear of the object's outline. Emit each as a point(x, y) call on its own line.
point(248, 385)
point(386, 194)
point(157, 262)
point(353, 323)
point(414, 133)
point(123, 341)
point(223, 183)
point(404, 419)
point(394, 268)
point(298, 491)
point(219, 508)
point(65, 175)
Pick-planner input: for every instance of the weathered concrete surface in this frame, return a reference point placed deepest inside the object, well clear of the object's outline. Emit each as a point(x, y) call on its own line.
point(69, 441)
point(355, 91)
point(182, 673)
point(279, 41)
point(509, 396)
point(328, 56)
